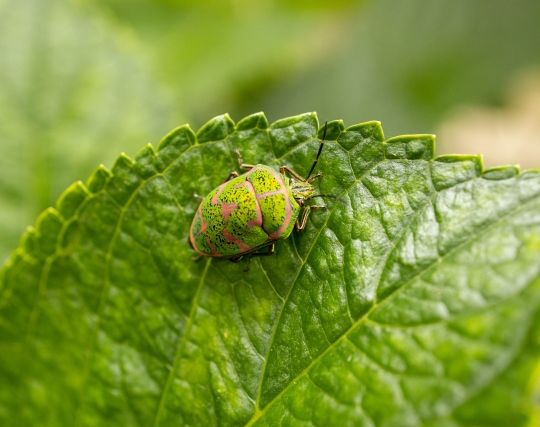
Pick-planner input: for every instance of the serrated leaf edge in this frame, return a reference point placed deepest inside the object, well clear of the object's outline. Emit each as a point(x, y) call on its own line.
point(99, 180)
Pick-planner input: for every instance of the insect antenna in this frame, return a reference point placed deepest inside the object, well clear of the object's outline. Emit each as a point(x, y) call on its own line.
point(319, 152)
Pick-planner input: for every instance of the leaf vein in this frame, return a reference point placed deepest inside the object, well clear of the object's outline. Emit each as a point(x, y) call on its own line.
point(363, 318)
point(181, 343)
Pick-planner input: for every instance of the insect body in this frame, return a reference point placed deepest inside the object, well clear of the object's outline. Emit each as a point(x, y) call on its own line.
point(248, 213)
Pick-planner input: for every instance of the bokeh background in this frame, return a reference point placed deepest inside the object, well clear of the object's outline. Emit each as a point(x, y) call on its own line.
point(83, 80)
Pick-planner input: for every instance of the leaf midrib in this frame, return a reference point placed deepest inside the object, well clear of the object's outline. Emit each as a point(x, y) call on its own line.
point(300, 268)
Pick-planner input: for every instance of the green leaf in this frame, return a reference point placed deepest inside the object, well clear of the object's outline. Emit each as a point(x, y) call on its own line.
point(412, 299)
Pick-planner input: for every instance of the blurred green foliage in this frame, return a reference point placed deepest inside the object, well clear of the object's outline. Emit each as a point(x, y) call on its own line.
point(82, 80)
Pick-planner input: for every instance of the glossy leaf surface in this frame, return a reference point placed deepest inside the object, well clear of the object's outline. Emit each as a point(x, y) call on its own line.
point(412, 299)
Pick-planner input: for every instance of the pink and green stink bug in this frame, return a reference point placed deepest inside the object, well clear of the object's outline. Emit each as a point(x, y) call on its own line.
point(248, 213)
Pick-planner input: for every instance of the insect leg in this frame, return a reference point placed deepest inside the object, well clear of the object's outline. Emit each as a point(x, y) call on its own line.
point(267, 250)
point(314, 177)
point(302, 221)
point(241, 163)
point(286, 169)
point(232, 175)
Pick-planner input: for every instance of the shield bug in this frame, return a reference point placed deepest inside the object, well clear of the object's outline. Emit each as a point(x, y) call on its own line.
point(248, 213)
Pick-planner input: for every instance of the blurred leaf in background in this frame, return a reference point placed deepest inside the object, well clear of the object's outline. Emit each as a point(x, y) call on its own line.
point(409, 63)
point(70, 97)
point(81, 81)
point(506, 134)
point(220, 56)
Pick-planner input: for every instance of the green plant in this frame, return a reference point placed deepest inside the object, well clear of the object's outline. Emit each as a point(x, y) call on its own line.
point(413, 300)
